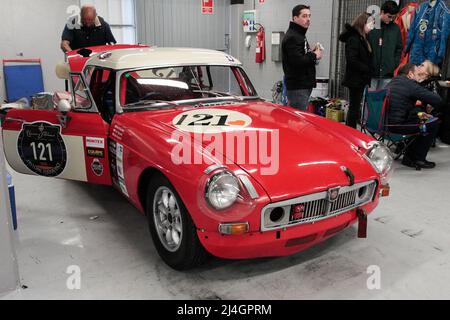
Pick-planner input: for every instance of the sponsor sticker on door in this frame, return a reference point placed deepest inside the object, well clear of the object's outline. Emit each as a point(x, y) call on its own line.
point(42, 149)
point(97, 167)
point(92, 142)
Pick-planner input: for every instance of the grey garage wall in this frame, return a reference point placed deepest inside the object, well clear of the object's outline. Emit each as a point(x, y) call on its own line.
point(275, 16)
point(34, 29)
point(180, 23)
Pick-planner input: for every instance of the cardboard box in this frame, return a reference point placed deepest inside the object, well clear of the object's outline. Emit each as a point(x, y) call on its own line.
point(42, 101)
point(335, 114)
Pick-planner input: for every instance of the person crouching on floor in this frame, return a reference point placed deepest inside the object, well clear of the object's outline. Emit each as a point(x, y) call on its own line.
point(405, 117)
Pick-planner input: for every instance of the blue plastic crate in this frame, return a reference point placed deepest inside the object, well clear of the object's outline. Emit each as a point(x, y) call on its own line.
point(23, 78)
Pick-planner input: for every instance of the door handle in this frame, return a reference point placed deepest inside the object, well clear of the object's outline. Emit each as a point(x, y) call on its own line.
point(64, 119)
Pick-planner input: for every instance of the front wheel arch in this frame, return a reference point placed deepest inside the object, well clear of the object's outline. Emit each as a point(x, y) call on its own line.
point(190, 253)
point(144, 180)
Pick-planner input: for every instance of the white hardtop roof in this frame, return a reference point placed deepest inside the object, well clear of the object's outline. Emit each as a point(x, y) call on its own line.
point(159, 57)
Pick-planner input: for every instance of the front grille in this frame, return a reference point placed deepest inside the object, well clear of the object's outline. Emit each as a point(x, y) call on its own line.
point(314, 209)
point(317, 206)
point(344, 200)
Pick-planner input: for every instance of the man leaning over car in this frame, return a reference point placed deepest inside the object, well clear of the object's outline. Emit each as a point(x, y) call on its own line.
point(92, 31)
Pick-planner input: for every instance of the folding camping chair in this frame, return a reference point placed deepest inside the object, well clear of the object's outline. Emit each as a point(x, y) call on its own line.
point(374, 122)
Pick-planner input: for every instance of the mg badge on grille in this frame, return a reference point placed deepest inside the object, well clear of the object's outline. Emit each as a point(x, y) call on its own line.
point(333, 194)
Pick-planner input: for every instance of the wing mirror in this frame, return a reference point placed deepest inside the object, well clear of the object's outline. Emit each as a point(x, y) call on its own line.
point(62, 70)
point(64, 107)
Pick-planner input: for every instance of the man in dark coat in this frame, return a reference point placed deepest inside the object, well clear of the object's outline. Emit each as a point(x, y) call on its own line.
point(92, 31)
point(403, 115)
point(387, 46)
point(299, 61)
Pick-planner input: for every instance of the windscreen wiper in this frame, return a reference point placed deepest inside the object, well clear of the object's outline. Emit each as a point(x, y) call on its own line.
point(209, 92)
point(145, 104)
point(226, 94)
point(220, 94)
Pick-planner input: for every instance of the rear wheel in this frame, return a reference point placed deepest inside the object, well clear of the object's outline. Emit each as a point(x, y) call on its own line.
point(173, 231)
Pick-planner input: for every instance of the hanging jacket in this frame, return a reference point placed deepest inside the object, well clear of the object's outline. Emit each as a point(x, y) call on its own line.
point(358, 58)
point(387, 47)
point(428, 34)
point(404, 21)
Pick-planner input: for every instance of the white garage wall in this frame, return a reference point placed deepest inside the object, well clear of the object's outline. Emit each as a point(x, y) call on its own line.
point(33, 28)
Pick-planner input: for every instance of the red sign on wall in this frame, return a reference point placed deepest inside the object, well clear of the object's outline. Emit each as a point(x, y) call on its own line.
point(207, 6)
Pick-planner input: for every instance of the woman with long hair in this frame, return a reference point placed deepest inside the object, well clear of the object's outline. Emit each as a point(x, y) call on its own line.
point(358, 55)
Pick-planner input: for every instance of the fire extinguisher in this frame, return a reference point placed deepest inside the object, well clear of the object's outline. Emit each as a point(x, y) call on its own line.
point(260, 45)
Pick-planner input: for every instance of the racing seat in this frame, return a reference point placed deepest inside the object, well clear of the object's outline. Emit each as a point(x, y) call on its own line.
point(374, 122)
point(108, 108)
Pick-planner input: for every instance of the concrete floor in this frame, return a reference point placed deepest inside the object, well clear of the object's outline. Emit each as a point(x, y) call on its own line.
point(408, 239)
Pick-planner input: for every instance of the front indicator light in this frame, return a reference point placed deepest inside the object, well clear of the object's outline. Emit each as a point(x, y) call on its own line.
point(385, 190)
point(233, 228)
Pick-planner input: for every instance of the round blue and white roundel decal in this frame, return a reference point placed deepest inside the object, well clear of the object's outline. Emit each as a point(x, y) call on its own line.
point(42, 149)
point(211, 121)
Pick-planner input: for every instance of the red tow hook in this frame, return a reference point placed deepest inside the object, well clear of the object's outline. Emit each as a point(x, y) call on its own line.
point(362, 223)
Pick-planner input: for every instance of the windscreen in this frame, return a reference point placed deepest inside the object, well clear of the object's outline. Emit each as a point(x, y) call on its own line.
point(184, 83)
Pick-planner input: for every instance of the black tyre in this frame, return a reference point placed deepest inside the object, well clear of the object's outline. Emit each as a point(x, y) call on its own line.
point(173, 231)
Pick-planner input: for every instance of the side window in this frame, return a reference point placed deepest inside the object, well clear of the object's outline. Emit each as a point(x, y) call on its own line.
point(88, 74)
point(102, 87)
point(244, 82)
point(202, 77)
point(80, 92)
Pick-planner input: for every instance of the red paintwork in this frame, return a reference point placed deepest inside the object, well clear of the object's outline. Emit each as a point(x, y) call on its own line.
point(266, 244)
point(312, 149)
point(77, 61)
point(304, 138)
point(147, 143)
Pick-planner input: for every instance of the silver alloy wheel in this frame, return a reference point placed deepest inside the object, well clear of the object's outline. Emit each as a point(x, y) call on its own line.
point(167, 217)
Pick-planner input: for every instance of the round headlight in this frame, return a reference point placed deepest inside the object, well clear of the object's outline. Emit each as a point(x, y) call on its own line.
point(380, 157)
point(222, 190)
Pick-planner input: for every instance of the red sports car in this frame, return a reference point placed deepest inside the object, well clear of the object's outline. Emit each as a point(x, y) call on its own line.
point(184, 136)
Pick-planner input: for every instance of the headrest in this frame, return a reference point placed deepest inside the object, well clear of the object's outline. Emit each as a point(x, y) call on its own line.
point(62, 70)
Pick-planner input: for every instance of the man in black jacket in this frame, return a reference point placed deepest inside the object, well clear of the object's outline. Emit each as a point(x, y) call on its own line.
point(387, 46)
point(404, 116)
point(299, 61)
point(92, 31)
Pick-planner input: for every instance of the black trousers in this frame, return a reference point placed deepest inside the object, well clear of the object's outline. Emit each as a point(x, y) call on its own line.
point(354, 108)
point(418, 149)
